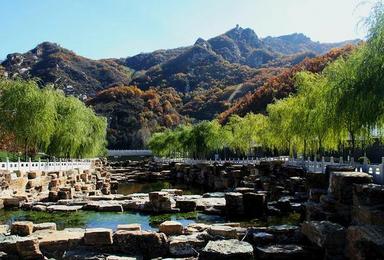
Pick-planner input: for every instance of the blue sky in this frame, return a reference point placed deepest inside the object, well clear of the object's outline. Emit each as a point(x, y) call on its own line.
point(120, 28)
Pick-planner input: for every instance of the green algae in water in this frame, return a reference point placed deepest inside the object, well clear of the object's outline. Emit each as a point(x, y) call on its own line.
point(62, 219)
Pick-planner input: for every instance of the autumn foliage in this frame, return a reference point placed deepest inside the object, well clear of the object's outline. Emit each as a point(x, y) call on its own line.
point(282, 85)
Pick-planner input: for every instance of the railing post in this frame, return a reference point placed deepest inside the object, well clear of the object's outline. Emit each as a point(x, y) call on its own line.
point(29, 163)
point(18, 163)
point(341, 160)
point(332, 160)
point(7, 163)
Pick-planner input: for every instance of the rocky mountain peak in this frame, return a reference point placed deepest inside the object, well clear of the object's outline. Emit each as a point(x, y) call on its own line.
point(296, 38)
point(245, 36)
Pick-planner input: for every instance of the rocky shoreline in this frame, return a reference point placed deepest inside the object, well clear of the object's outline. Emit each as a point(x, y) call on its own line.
point(340, 213)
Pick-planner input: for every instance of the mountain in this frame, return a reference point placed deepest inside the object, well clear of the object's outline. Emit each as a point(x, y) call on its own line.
point(74, 74)
point(298, 42)
point(233, 73)
point(225, 60)
point(133, 114)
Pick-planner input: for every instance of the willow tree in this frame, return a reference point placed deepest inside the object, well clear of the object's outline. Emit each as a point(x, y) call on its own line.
point(245, 133)
point(315, 117)
point(281, 116)
point(205, 138)
point(28, 113)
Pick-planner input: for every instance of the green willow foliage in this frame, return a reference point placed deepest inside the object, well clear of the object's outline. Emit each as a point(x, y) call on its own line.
point(45, 120)
point(337, 108)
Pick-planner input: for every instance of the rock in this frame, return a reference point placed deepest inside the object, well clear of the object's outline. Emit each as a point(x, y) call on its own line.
point(341, 184)
point(186, 205)
point(14, 202)
point(4, 229)
point(204, 203)
point(171, 228)
point(8, 243)
point(197, 227)
point(22, 228)
point(98, 236)
point(32, 175)
point(176, 192)
point(227, 249)
point(284, 204)
point(262, 238)
point(234, 203)
point(129, 227)
point(114, 257)
point(138, 242)
point(279, 252)
point(368, 194)
point(368, 204)
point(110, 207)
point(327, 235)
point(283, 234)
point(44, 226)
point(55, 243)
point(29, 249)
point(180, 246)
point(244, 190)
point(254, 204)
point(160, 202)
point(222, 231)
point(39, 208)
point(63, 208)
point(365, 242)
point(315, 194)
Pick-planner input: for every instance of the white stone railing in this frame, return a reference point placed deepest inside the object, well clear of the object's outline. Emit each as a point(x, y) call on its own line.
point(60, 165)
point(376, 170)
point(117, 153)
point(241, 161)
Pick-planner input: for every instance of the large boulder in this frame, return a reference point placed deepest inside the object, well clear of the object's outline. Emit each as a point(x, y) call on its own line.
point(22, 228)
point(327, 235)
point(234, 203)
point(159, 202)
point(365, 242)
point(171, 228)
point(185, 245)
point(129, 227)
point(28, 249)
point(55, 243)
point(141, 243)
point(98, 236)
point(341, 185)
point(44, 226)
point(222, 231)
point(254, 204)
point(280, 252)
point(227, 250)
point(368, 202)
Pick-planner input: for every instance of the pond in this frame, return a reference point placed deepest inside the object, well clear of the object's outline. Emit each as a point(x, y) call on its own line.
point(90, 219)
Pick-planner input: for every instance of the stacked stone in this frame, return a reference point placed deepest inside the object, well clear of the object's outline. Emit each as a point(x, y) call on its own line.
point(159, 202)
point(365, 236)
point(336, 205)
